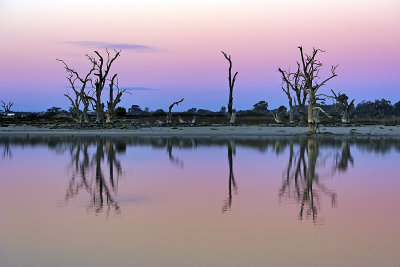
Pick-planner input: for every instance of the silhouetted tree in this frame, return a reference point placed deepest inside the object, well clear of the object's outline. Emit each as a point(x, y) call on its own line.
point(102, 70)
point(6, 106)
point(113, 102)
point(169, 114)
point(261, 106)
point(231, 86)
point(294, 81)
point(81, 94)
point(396, 108)
point(120, 112)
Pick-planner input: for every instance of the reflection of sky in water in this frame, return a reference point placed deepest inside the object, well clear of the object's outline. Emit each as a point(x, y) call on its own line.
point(173, 210)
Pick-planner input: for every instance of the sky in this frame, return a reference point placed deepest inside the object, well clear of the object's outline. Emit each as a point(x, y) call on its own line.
point(172, 49)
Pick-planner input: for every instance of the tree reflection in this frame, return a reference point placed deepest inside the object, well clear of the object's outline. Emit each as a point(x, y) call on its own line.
point(343, 159)
point(172, 159)
point(6, 150)
point(232, 183)
point(87, 168)
point(302, 181)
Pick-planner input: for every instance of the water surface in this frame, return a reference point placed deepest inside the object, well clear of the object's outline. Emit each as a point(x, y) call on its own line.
point(101, 201)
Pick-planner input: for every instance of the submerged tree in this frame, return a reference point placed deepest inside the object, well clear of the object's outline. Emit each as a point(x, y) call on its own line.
point(169, 114)
point(6, 106)
point(231, 79)
point(342, 100)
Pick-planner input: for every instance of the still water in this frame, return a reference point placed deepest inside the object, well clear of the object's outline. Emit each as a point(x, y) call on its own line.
point(100, 201)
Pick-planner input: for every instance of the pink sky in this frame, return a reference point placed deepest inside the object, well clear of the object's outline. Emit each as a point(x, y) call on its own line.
point(183, 40)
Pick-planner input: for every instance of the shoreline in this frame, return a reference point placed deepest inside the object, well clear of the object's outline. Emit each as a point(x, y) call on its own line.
point(211, 131)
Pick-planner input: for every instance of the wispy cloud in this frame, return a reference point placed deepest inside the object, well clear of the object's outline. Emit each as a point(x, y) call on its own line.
point(138, 88)
point(132, 88)
point(122, 46)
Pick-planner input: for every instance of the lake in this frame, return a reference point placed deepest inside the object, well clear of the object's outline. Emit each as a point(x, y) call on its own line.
point(136, 201)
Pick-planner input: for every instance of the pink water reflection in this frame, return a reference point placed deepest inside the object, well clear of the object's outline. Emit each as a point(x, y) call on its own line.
point(171, 194)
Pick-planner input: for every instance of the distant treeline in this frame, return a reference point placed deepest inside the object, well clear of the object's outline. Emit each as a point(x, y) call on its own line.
point(376, 109)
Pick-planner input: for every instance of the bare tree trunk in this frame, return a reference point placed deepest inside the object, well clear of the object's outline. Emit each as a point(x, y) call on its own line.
point(169, 114)
point(233, 117)
point(311, 117)
point(291, 119)
point(231, 85)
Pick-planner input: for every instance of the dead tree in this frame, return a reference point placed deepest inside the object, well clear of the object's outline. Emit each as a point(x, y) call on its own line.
point(6, 106)
point(231, 85)
point(310, 70)
point(293, 81)
point(169, 114)
point(102, 69)
point(113, 102)
point(287, 91)
point(80, 94)
point(342, 99)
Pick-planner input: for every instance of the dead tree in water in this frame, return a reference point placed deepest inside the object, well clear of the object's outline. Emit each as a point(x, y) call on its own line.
point(310, 70)
point(169, 114)
point(113, 102)
point(6, 107)
point(342, 99)
point(293, 81)
point(231, 85)
point(102, 69)
point(80, 94)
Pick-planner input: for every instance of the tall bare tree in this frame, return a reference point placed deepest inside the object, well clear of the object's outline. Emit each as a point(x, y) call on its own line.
point(7, 106)
point(113, 102)
point(345, 106)
point(310, 70)
point(102, 71)
point(169, 114)
point(231, 80)
point(81, 96)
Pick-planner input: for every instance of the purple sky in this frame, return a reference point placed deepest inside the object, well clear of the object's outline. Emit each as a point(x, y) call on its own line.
point(171, 49)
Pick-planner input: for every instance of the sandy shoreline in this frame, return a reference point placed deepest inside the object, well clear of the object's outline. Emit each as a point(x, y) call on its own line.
point(209, 131)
